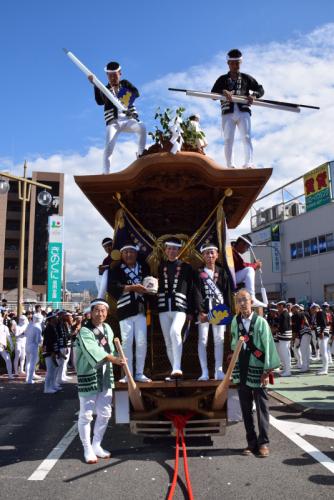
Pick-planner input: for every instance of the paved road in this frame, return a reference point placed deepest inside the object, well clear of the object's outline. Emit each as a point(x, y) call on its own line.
point(31, 425)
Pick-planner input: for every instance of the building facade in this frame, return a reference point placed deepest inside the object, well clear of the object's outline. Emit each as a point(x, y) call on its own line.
point(295, 242)
point(36, 244)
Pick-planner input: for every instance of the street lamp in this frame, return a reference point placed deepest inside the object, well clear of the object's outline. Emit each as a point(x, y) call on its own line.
point(4, 186)
point(24, 192)
point(44, 198)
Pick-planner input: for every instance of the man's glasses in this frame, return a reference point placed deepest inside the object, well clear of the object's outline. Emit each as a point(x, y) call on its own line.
point(243, 300)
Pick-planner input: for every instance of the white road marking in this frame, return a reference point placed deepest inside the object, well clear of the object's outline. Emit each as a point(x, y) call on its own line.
point(291, 431)
point(44, 468)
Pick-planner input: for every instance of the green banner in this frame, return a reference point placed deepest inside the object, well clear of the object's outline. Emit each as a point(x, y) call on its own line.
point(55, 258)
point(318, 199)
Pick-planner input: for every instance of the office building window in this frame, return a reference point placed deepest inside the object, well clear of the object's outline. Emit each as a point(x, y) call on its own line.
point(329, 242)
point(293, 251)
point(300, 252)
point(314, 246)
point(307, 248)
point(322, 243)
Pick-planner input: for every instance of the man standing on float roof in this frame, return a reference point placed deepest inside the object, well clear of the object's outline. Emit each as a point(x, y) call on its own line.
point(116, 120)
point(237, 114)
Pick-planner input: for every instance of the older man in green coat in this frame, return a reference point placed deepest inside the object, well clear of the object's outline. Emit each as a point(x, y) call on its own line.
point(95, 355)
point(257, 359)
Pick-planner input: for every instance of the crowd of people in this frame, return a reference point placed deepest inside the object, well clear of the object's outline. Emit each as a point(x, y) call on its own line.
point(286, 332)
point(302, 333)
point(39, 338)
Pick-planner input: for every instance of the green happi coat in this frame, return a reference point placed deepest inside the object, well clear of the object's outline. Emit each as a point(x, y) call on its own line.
point(252, 367)
point(92, 377)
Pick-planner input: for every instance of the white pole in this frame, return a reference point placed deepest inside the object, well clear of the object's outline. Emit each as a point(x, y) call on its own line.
point(96, 81)
point(241, 100)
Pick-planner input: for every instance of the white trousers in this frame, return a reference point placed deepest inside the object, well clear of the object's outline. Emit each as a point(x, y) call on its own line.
point(61, 372)
point(230, 121)
point(247, 276)
point(125, 124)
point(99, 404)
point(283, 349)
point(20, 355)
point(314, 342)
point(51, 373)
point(5, 355)
point(134, 329)
point(171, 325)
point(218, 340)
point(305, 351)
point(323, 346)
point(31, 360)
point(330, 350)
point(297, 352)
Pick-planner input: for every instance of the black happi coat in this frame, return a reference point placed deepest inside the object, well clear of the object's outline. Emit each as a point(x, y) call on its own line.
point(179, 289)
point(205, 294)
point(110, 110)
point(128, 303)
point(284, 326)
point(240, 87)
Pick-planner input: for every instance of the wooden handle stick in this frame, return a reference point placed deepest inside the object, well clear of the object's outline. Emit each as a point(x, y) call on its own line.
point(133, 389)
point(222, 390)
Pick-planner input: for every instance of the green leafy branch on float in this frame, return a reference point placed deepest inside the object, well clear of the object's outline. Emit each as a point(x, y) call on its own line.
point(162, 133)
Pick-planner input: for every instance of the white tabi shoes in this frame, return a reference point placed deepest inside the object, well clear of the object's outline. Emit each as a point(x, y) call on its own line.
point(140, 377)
point(204, 377)
point(89, 454)
point(219, 374)
point(99, 451)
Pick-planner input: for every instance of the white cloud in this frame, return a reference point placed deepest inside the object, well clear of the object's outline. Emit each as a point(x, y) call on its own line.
point(299, 70)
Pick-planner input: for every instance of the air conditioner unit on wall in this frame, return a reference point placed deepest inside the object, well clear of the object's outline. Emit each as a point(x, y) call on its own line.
point(261, 217)
point(296, 209)
point(276, 211)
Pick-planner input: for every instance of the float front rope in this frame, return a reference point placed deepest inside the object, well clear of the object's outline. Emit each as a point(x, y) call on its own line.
point(179, 422)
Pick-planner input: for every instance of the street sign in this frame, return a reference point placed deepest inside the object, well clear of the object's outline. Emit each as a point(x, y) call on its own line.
point(55, 258)
point(317, 187)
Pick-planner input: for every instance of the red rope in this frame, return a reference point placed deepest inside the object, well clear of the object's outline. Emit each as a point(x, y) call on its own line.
point(180, 421)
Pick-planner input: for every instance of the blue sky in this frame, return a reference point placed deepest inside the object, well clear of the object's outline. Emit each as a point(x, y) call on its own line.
point(46, 104)
point(49, 116)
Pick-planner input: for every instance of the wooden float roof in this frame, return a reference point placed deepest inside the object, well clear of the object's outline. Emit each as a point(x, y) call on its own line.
point(174, 193)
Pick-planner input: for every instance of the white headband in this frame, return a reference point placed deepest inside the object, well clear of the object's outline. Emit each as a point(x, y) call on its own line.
point(112, 70)
point(208, 247)
point(246, 241)
point(233, 58)
point(98, 302)
point(173, 244)
point(126, 247)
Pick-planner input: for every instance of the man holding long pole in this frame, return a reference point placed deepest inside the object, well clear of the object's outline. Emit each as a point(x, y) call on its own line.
point(116, 120)
point(235, 83)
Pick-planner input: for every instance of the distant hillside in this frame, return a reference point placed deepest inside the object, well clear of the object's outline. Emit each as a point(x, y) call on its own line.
point(80, 286)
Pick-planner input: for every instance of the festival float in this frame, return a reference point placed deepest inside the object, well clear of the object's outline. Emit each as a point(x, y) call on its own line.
point(174, 189)
point(185, 194)
point(174, 192)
